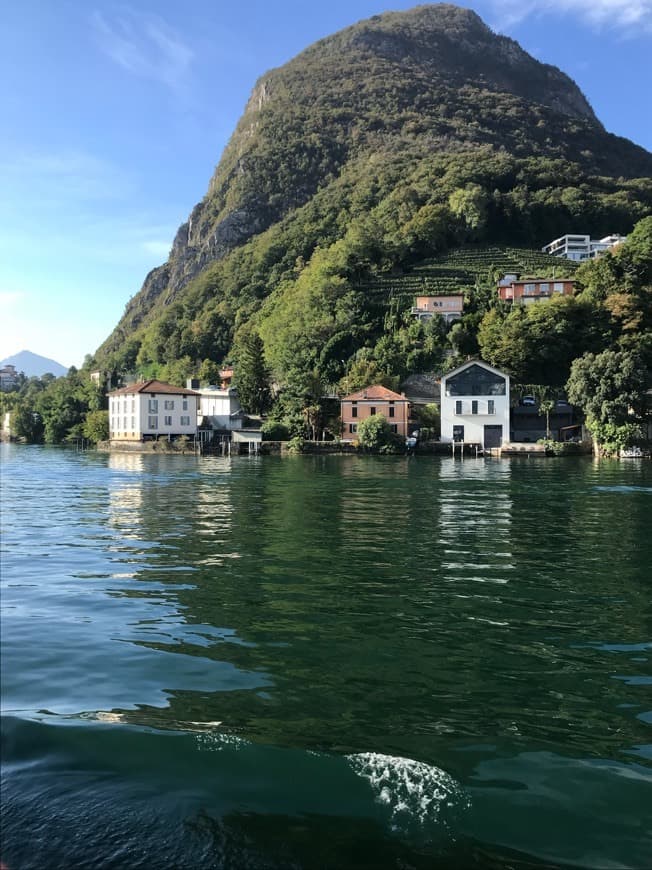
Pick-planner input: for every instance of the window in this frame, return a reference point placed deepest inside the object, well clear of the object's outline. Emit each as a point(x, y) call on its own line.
point(558, 287)
point(168, 404)
point(152, 407)
point(394, 428)
point(185, 421)
point(353, 428)
point(544, 287)
point(529, 289)
point(391, 409)
point(354, 410)
point(152, 422)
point(491, 407)
point(184, 405)
point(458, 407)
point(168, 421)
point(474, 406)
point(458, 433)
point(372, 410)
point(124, 423)
point(475, 381)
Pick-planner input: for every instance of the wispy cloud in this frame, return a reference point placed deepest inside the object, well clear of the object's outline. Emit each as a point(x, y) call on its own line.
point(629, 17)
point(144, 45)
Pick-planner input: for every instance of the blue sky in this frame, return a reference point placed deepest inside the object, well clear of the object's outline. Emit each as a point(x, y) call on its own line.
point(115, 115)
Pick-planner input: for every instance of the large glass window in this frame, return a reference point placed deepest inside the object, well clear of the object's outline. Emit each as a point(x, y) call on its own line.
point(475, 381)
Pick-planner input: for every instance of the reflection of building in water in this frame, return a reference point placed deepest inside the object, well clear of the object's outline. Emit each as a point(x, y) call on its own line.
point(126, 493)
point(475, 533)
point(214, 513)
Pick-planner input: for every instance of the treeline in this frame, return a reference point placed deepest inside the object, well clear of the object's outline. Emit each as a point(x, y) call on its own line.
point(301, 283)
point(54, 410)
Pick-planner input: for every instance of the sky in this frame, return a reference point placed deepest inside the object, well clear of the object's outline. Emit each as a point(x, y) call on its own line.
point(114, 116)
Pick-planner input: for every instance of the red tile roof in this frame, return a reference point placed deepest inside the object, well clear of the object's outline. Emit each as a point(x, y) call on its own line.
point(153, 387)
point(375, 392)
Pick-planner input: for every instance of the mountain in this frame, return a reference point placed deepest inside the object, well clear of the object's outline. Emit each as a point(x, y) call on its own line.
point(34, 365)
point(392, 141)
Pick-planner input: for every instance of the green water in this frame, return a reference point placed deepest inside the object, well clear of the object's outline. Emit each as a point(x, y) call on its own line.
point(325, 662)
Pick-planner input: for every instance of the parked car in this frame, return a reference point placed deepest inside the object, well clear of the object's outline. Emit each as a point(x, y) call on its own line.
point(562, 404)
point(528, 400)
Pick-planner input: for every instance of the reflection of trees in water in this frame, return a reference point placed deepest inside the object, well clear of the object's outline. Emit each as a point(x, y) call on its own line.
point(404, 602)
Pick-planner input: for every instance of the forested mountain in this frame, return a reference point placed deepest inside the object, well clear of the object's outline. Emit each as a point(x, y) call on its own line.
point(395, 140)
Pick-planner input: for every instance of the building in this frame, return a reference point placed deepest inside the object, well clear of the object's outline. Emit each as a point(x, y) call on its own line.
point(582, 247)
point(151, 409)
point(374, 400)
point(475, 405)
point(8, 377)
point(448, 307)
point(219, 409)
point(529, 290)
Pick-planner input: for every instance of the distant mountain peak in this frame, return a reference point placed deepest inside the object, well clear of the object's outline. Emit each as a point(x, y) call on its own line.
point(34, 365)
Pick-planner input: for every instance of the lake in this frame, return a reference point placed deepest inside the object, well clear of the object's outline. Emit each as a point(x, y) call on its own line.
point(325, 662)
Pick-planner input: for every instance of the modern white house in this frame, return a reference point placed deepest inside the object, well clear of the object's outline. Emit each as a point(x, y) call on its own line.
point(151, 409)
point(582, 247)
point(219, 408)
point(475, 405)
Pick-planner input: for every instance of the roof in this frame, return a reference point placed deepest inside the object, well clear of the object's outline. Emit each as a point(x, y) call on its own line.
point(474, 362)
point(375, 392)
point(153, 387)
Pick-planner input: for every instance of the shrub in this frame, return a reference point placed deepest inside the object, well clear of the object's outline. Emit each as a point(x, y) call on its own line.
point(296, 445)
point(273, 430)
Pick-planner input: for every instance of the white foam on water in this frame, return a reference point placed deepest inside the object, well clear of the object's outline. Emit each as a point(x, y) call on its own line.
point(216, 741)
point(412, 790)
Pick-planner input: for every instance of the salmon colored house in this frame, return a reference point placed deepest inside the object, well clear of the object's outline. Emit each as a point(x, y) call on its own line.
point(394, 407)
point(533, 289)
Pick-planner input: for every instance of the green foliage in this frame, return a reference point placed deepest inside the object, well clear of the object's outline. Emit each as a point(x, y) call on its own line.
point(96, 426)
point(560, 448)
point(612, 437)
point(374, 432)
point(296, 445)
point(537, 343)
point(272, 430)
point(251, 375)
point(52, 409)
point(429, 417)
point(610, 389)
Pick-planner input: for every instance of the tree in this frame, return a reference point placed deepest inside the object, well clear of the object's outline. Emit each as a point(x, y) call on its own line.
point(610, 389)
point(96, 426)
point(374, 432)
point(251, 376)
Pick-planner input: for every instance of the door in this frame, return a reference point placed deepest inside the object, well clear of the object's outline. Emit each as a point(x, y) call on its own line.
point(493, 436)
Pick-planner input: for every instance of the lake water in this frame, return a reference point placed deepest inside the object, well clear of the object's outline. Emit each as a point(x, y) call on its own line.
point(325, 662)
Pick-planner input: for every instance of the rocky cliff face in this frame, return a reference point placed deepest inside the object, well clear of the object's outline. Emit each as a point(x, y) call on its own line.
point(432, 79)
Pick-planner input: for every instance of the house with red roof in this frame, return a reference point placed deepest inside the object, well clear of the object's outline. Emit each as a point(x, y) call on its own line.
point(374, 400)
point(150, 409)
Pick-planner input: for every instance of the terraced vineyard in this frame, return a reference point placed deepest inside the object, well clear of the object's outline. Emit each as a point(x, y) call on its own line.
point(460, 270)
